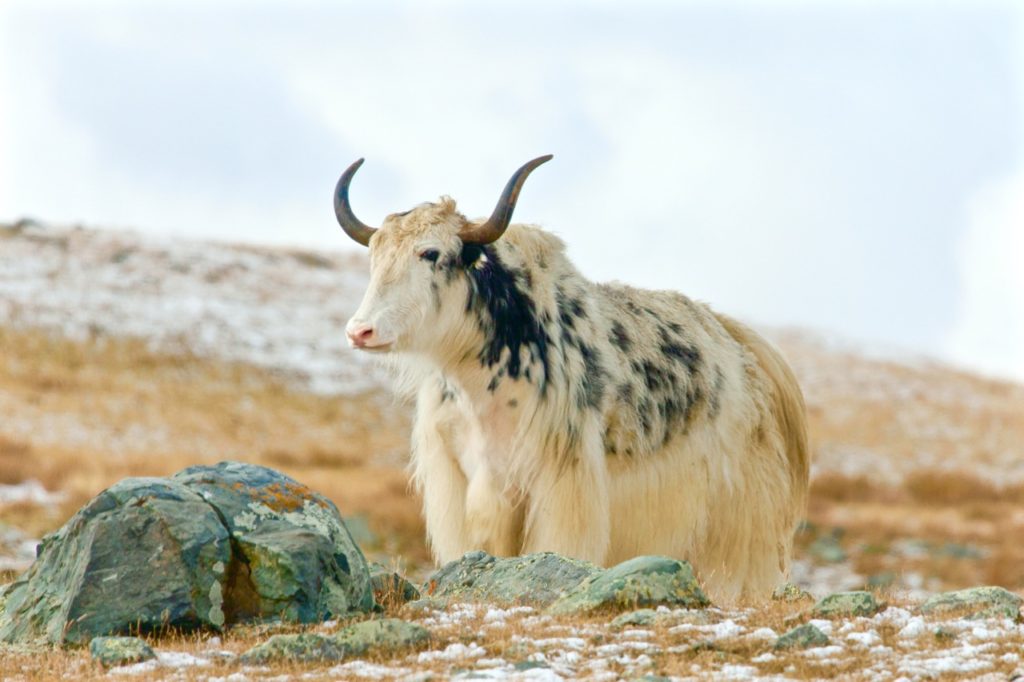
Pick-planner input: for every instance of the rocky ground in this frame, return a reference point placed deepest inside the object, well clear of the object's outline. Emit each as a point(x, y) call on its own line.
point(124, 355)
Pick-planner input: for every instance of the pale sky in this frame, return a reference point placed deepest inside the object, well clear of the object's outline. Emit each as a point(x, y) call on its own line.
point(855, 168)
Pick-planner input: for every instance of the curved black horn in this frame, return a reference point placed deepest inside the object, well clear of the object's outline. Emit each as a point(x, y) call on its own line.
point(489, 231)
point(343, 210)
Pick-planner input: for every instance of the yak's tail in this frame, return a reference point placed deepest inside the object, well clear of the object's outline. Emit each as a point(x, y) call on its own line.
point(787, 402)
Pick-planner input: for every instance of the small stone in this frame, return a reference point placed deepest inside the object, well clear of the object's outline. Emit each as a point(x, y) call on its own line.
point(640, 582)
point(846, 604)
point(423, 607)
point(881, 581)
point(114, 651)
point(791, 593)
point(390, 588)
point(957, 550)
point(383, 635)
point(387, 635)
point(977, 602)
point(803, 636)
point(639, 617)
point(303, 648)
point(827, 549)
point(536, 579)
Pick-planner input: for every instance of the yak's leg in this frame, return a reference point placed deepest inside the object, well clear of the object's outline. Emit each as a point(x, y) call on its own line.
point(568, 510)
point(438, 477)
point(494, 522)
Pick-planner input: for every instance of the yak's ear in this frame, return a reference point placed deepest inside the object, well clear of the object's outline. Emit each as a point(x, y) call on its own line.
point(472, 254)
point(495, 226)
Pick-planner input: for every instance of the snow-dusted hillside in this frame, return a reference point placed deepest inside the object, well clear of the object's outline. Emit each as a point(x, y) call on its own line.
point(279, 309)
point(286, 310)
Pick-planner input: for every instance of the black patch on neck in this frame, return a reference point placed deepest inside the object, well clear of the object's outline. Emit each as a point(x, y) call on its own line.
point(506, 314)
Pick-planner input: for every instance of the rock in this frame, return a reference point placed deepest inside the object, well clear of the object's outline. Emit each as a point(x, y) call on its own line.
point(207, 547)
point(827, 549)
point(979, 602)
point(536, 579)
point(302, 648)
point(791, 593)
point(802, 636)
point(144, 554)
point(958, 550)
point(423, 607)
point(642, 581)
point(846, 604)
point(881, 581)
point(642, 617)
point(294, 558)
point(387, 635)
point(382, 635)
point(390, 588)
point(111, 651)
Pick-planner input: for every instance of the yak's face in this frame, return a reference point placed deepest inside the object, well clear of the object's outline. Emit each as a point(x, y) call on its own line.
point(418, 261)
point(416, 283)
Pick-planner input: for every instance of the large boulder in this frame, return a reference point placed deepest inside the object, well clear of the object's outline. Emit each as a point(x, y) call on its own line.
point(293, 556)
point(208, 547)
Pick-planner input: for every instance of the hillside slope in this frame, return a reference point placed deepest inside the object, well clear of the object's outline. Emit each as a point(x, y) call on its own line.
point(125, 355)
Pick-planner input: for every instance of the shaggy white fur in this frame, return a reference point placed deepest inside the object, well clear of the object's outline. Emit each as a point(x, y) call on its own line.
point(595, 420)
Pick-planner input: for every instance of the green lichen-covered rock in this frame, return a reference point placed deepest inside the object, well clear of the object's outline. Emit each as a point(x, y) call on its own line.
point(144, 554)
point(382, 635)
point(846, 605)
point(303, 648)
point(295, 558)
point(827, 549)
point(791, 593)
point(418, 608)
point(979, 602)
point(112, 651)
point(803, 637)
point(206, 548)
point(642, 581)
point(640, 617)
point(536, 579)
point(389, 587)
point(387, 635)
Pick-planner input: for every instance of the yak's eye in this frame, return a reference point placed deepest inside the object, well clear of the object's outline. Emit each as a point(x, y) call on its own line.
point(430, 255)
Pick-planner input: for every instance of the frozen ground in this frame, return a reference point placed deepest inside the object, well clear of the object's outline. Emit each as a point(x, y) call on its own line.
point(481, 642)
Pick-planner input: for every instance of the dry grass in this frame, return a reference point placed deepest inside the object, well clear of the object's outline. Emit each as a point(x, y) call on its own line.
point(80, 415)
point(672, 646)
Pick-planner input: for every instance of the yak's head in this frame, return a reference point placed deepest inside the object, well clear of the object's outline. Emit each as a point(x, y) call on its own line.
point(418, 264)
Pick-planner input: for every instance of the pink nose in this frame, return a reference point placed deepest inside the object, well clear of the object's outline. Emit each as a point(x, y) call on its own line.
point(360, 336)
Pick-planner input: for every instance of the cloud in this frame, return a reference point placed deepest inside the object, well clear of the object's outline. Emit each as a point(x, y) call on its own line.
point(989, 330)
point(792, 165)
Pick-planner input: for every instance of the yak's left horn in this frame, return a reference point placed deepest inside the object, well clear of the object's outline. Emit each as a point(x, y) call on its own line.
point(343, 210)
point(495, 226)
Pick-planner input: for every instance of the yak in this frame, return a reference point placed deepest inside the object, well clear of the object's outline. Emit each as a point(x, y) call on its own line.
point(596, 420)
